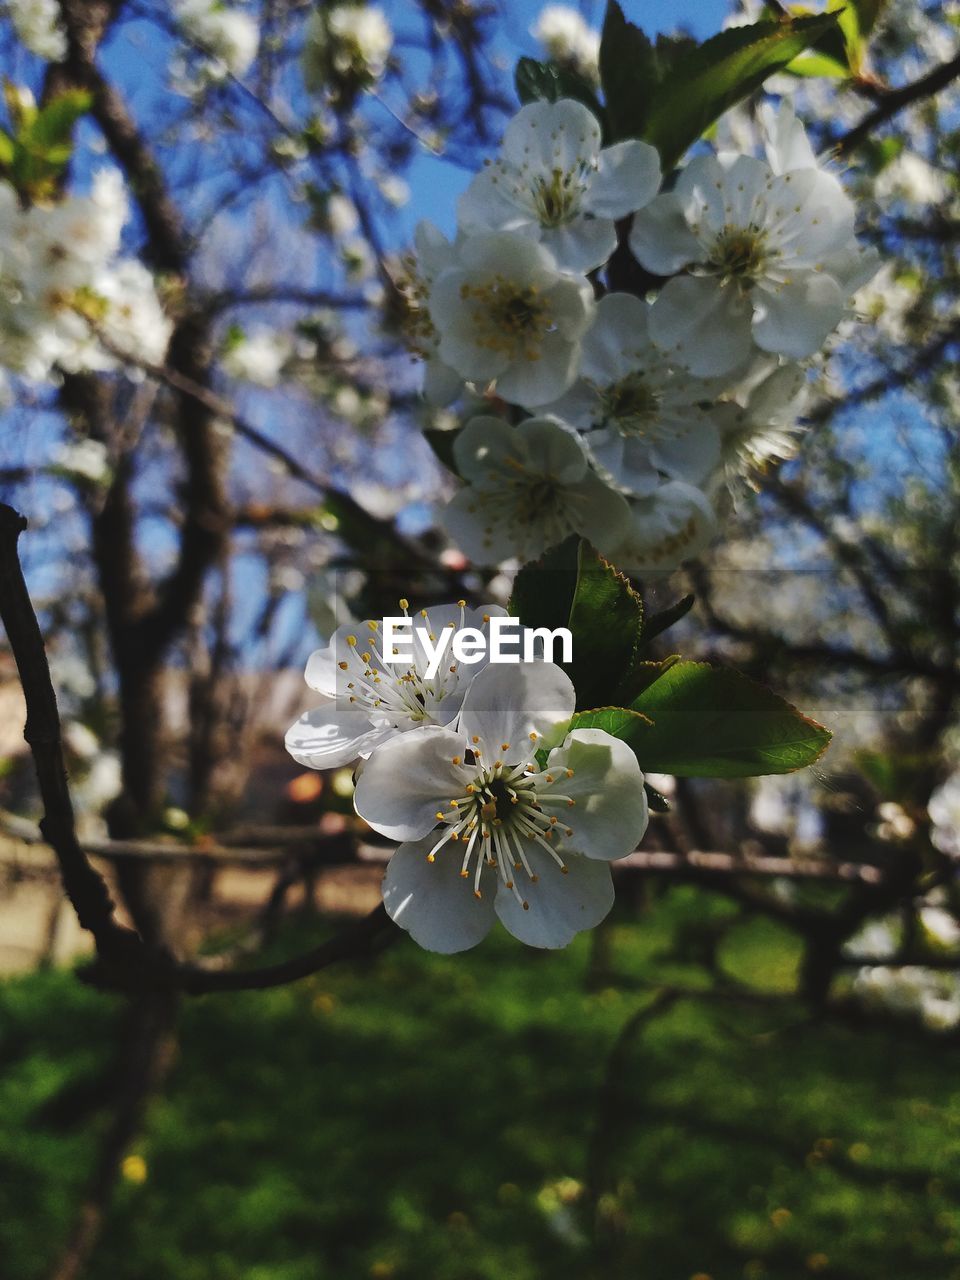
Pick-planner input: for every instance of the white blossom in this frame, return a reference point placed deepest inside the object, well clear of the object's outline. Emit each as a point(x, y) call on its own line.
point(643, 413)
point(349, 39)
point(366, 702)
point(433, 253)
point(566, 38)
point(504, 312)
point(758, 423)
point(258, 357)
point(37, 23)
point(86, 458)
point(526, 488)
point(490, 833)
point(551, 180)
point(227, 34)
point(944, 809)
point(771, 254)
point(672, 524)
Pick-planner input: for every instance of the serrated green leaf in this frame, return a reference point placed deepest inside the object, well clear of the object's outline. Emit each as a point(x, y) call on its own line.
point(573, 586)
point(818, 66)
point(711, 722)
point(629, 73)
point(640, 676)
point(620, 722)
point(547, 82)
point(719, 73)
point(606, 618)
point(543, 591)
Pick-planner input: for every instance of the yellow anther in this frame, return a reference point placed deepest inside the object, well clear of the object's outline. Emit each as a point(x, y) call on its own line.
point(351, 640)
point(344, 666)
point(464, 874)
point(404, 604)
point(548, 777)
point(365, 657)
point(571, 803)
point(431, 857)
point(373, 625)
point(453, 670)
point(477, 894)
point(569, 773)
point(526, 906)
point(461, 604)
point(474, 739)
point(439, 816)
point(534, 879)
point(454, 804)
point(534, 735)
point(565, 870)
point(457, 760)
point(504, 746)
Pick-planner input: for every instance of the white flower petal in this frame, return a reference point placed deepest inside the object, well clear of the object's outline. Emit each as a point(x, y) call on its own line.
point(560, 906)
point(544, 136)
point(795, 320)
point(431, 900)
point(602, 515)
point(552, 449)
point(627, 462)
point(506, 703)
point(408, 779)
point(689, 453)
point(441, 384)
point(483, 538)
point(628, 178)
point(618, 340)
point(583, 244)
point(705, 324)
point(486, 444)
point(661, 239)
point(785, 141)
point(486, 206)
point(330, 736)
point(535, 382)
point(674, 524)
point(611, 813)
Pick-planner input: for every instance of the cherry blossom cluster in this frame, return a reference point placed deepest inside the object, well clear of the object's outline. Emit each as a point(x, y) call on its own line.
point(68, 300)
point(640, 405)
point(502, 809)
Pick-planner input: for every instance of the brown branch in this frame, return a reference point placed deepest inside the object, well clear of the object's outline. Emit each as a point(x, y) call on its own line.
point(895, 100)
point(83, 885)
point(725, 864)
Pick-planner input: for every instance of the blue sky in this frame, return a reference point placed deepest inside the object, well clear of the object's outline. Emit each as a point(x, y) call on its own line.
point(436, 185)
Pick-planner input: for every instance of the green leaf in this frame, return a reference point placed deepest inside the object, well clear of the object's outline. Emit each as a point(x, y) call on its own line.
point(543, 591)
point(548, 82)
point(53, 126)
point(711, 722)
point(7, 149)
point(573, 586)
point(706, 82)
point(629, 73)
point(621, 722)
point(606, 618)
point(656, 623)
point(818, 66)
point(640, 676)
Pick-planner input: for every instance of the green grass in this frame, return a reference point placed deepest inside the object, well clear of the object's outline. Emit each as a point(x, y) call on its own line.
point(422, 1118)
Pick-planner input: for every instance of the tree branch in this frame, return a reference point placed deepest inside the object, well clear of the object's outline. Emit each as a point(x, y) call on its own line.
point(895, 100)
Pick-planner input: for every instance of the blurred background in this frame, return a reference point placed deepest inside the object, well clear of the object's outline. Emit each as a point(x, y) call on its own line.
point(737, 1076)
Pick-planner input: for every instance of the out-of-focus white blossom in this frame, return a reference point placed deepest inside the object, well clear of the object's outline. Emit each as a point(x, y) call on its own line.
point(346, 40)
point(910, 177)
point(37, 23)
point(227, 34)
point(944, 809)
point(566, 38)
point(258, 357)
point(672, 524)
point(66, 299)
point(86, 458)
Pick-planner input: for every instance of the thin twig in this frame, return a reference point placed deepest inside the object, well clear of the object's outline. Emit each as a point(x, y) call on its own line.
point(896, 100)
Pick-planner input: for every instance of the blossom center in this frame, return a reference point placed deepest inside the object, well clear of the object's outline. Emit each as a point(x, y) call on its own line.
point(504, 808)
point(631, 404)
point(740, 254)
point(557, 197)
point(404, 697)
point(508, 317)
